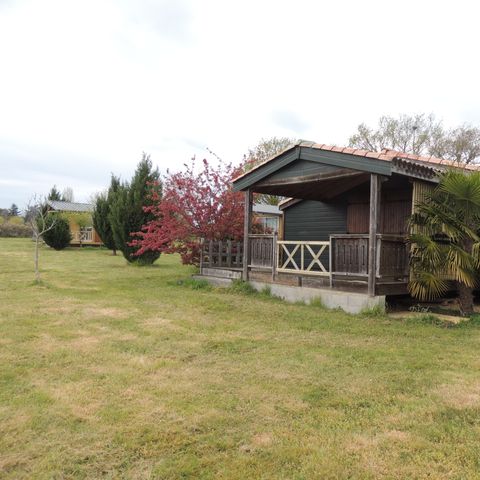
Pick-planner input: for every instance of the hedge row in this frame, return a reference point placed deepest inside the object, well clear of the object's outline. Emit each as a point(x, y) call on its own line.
point(16, 231)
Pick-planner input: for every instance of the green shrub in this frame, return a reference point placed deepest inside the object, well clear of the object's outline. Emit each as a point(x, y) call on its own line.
point(12, 230)
point(58, 237)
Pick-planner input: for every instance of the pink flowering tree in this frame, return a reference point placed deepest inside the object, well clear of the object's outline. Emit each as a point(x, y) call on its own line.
point(196, 203)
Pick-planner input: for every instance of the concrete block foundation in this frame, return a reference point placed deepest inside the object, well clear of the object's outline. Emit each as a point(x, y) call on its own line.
point(350, 302)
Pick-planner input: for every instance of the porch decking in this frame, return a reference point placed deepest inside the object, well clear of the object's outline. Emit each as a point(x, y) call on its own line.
point(342, 263)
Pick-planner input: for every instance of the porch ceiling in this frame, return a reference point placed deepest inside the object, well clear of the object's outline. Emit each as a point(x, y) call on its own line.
point(331, 157)
point(322, 186)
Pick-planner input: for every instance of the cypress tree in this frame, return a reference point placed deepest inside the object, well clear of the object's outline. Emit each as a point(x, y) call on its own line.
point(126, 210)
point(101, 215)
point(54, 194)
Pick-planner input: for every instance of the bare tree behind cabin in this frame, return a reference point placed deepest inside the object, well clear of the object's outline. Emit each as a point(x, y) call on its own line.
point(420, 134)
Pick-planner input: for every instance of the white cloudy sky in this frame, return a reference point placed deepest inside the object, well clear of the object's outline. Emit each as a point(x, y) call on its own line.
point(86, 86)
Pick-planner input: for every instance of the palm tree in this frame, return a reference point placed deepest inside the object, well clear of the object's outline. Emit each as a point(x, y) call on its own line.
point(445, 239)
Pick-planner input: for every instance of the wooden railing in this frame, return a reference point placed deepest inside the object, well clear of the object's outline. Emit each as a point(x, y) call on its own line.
point(83, 236)
point(343, 255)
point(229, 254)
point(262, 250)
point(221, 254)
point(392, 257)
point(303, 257)
point(350, 256)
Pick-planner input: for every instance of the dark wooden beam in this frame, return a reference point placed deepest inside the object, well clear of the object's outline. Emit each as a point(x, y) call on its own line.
point(341, 173)
point(375, 195)
point(324, 190)
point(246, 232)
point(338, 188)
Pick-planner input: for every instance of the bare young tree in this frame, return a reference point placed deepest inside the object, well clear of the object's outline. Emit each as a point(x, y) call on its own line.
point(37, 220)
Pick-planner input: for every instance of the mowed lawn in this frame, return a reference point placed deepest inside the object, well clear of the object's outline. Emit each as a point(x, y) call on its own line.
point(114, 371)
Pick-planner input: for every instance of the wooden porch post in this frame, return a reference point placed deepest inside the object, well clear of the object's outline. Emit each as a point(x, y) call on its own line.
point(375, 194)
point(274, 254)
point(246, 232)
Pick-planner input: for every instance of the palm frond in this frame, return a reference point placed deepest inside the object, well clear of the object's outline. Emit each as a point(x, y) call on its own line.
point(427, 286)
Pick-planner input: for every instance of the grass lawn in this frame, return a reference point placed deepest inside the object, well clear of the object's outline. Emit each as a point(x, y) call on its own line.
point(114, 371)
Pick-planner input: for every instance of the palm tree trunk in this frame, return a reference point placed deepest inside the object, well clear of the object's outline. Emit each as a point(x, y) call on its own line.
point(465, 294)
point(465, 299)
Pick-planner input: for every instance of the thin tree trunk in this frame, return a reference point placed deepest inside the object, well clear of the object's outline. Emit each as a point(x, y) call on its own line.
point(37, 272)
point(114, 252)
point(465, 299)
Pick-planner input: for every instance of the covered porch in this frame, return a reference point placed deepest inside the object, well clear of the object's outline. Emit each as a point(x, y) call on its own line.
point(341, 263)
point(345, 221)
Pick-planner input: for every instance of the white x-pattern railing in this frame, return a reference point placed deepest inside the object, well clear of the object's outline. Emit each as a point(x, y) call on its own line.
point(84, 236)
point(293, 256)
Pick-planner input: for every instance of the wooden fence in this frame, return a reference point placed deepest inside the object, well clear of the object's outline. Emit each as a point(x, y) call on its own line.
point(221, 254)
point(343, 255)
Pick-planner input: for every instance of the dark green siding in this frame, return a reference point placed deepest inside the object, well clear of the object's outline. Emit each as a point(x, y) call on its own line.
point(311, 220)
point(300, 168)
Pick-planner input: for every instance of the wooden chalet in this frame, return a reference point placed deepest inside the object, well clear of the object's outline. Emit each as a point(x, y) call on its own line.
point(79, 216)
point(344, 224)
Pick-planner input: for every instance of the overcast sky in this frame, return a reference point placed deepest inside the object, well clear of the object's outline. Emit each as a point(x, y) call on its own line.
point(86, 86)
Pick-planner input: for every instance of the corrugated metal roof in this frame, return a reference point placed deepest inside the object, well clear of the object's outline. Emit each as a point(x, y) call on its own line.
point(70, 206)
point(264, 208)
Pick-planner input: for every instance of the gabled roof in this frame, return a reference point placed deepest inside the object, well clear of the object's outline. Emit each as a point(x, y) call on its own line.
point(385, 162)
point(70, 206)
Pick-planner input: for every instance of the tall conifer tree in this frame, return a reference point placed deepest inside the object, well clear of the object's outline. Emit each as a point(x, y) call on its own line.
point(101, 214)
point(127, 213)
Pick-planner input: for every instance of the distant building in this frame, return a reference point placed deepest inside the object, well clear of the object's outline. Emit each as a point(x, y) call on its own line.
point(267, 218)
point(79, 216)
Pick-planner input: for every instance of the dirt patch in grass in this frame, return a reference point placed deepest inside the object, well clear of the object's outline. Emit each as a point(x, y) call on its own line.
point(103, 312)
point(85, 342)
point(460, 394)
point(78, 397)
point(262, 439)
point(453, 319)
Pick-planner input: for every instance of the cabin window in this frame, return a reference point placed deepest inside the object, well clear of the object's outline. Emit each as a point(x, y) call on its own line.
point(267, 224)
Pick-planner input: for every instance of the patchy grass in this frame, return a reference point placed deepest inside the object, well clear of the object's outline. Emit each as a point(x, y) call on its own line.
point(376, 311)
point(114, 371)
point(195, 284)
